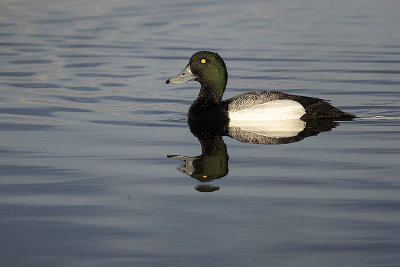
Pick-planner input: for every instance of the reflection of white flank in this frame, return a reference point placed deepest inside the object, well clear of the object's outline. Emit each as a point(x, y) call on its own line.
point(272, 128)
point(273, 110)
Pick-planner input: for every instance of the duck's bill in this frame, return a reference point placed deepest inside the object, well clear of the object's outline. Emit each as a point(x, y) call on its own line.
point(185, 76)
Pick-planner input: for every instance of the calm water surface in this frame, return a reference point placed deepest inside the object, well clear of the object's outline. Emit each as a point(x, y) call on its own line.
point(87, 122)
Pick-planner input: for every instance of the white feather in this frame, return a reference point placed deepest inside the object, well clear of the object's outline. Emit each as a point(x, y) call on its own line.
point(272, 110)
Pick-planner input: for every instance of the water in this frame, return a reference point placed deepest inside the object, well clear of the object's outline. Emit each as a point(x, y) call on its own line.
point(87, 122)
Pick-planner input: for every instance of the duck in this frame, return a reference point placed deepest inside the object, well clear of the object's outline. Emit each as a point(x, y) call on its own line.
point(209, 69)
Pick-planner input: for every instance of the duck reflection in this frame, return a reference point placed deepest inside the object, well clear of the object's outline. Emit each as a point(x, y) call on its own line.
point(212, 163)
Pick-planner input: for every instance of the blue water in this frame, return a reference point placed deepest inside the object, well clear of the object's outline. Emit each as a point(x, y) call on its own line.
point(87, 122)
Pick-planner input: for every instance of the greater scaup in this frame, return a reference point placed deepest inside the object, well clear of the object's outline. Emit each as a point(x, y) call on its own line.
point(209, 69)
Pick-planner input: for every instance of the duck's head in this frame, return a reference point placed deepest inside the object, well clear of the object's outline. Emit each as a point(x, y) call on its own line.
point(209, 70)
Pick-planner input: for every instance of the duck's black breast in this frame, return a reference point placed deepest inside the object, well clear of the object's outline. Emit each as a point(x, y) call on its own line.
point(208, 111)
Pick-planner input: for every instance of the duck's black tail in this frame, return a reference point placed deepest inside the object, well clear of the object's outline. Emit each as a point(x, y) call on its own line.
point(322, 109)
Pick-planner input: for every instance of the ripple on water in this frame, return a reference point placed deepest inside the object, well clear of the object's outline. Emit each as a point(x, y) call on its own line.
point(32, 61)
point(96, 46)
point(71, 37)
point(40, 111)
point(85, 65)
point(14, 44)
point(137, 123)
point(79, 99)
point(7, 24)
point(17, 74)
point(107, 75)
point(7, 34)
point(17, 170)
point(147, 100)
point(113, 84)
point(25, 127)
point(84, 88)
point(9, 54)
point(33, 85)
point(30, 50)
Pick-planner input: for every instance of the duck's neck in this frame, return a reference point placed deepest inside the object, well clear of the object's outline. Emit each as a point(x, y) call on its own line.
point(208, 95)
point(212, 92)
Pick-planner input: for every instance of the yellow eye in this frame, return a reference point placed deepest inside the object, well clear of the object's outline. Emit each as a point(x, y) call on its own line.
point(203, 61)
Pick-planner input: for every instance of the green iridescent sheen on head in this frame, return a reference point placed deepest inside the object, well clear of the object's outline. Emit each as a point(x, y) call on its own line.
point(210, 71)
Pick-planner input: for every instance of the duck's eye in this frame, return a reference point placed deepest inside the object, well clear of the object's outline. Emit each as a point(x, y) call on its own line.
point(203, 60)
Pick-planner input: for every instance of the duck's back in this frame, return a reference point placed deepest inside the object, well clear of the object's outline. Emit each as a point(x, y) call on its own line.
point(293, 105)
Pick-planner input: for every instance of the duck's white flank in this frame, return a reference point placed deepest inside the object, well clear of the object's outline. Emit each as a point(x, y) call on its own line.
point(269, 111)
